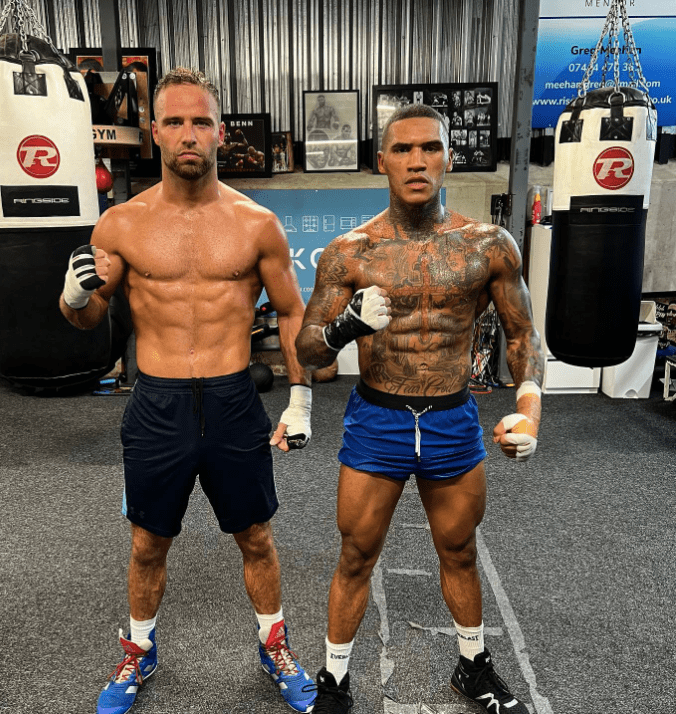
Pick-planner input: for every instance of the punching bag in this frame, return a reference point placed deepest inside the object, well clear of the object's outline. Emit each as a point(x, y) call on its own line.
point(605, 144)
point(49, 207)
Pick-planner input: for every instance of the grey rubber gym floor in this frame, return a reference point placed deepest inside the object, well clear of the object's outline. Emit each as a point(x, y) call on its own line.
point(577, 558)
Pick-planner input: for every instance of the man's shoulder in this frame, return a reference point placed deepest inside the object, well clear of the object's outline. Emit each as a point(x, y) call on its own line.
point(136, 206)
point(127, 213)
point(245, 208)
point(123, 222)
point(472, 228)
point(369, 231)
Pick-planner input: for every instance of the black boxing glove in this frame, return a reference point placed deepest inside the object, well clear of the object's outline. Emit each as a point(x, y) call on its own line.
point(366, 313)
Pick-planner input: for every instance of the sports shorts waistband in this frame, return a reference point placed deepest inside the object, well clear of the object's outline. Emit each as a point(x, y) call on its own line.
point(169, 384)
point(416, 402)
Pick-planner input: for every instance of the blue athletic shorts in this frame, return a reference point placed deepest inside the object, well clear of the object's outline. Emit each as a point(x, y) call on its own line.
point(174, 429)
point(398, 436)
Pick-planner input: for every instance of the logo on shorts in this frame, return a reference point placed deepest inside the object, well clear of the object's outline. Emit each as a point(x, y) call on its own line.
point(613, 168)
point(38, 156)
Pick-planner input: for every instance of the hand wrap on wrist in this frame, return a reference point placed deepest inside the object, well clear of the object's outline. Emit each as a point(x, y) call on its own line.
point(522, 429)
point(365, 314)
point(81, 278)
point(297, 417)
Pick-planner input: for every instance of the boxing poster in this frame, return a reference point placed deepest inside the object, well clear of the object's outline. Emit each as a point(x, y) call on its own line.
point(470, 112)
point(282, 152)
point(246, 151)
point(331, 122)
point(568, 33)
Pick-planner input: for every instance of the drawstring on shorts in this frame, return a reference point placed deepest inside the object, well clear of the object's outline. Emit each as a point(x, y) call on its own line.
point(198, 400)
point(417, 416)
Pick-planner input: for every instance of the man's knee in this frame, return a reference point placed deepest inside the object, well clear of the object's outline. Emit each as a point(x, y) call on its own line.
point(357, 557)
point(456, 546)
point(148, 549)
point(256, 542)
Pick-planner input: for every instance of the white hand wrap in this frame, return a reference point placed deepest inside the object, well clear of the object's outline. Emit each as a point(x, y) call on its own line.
point(528, 388)
point(297, 417)
point(81, 277)
point(365, 314)
point(525, 443)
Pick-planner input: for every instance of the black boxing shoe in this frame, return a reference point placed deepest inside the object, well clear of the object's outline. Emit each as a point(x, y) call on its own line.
point(332, 698)
point(478, 681)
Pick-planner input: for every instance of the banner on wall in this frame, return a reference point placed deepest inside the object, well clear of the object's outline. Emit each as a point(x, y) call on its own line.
point(568, 33)
point(312, 219)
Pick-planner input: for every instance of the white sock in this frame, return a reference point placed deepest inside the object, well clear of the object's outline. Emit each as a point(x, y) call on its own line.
point(141, 629)
point(265, 622)
point(470, 640)
point(338, 659)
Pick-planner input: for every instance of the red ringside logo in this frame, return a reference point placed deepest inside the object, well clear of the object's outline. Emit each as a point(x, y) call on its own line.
point(613, 168)
point(38, 156)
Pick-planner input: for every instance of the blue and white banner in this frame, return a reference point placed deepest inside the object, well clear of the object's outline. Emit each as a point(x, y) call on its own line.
point(312, 219)
point(568, 33)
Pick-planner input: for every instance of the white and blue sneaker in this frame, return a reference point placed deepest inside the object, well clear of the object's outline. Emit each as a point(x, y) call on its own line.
point(139, 662)
point(277, 659)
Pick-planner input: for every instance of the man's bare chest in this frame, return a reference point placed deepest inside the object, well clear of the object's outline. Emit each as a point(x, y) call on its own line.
point(188, 252)
point(442, 271)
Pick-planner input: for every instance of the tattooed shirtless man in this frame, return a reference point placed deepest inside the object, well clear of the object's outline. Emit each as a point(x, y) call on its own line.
point(408, 286)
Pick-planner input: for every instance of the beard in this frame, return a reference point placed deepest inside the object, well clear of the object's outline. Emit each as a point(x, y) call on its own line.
point(190, 171)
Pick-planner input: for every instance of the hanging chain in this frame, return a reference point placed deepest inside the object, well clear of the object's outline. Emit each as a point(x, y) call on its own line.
point(634, 63)
point(5, 13)
point(617, 16)
point(594, 58)
point(615, 30)
point(22, 28)
point(39, 30)
point(606, 65)
point(22, 12)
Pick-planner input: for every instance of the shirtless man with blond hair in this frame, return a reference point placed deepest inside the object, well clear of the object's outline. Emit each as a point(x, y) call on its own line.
point(193, 257)
point(408, 286)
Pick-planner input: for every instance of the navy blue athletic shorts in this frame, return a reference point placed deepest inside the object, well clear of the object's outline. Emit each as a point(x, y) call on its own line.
point(175, 429)
point(399, 436)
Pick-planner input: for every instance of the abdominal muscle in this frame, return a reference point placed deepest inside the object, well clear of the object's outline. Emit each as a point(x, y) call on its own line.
point(186, 330)
point(407, 364)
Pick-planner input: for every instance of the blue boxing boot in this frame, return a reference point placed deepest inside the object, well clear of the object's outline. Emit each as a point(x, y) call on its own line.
point(140, 661)
point(281, 664)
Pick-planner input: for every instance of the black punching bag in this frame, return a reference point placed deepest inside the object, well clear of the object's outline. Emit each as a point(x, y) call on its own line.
point(605, 144)
point(49, 207)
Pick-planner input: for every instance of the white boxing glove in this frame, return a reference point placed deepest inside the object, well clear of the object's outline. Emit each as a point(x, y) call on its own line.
point(367, 312)
point(81, 277)
point(297, 417)
point(520, 431)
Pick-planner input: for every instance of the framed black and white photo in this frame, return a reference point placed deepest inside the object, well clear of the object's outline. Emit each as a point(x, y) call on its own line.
point(246, 151)
point(282, 152)
point(331, 130)
point(469, 111)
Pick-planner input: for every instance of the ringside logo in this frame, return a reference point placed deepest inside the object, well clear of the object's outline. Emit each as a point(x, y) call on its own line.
point(613, 168)
point(38, 156)
point(608, 209)
point(39, 201)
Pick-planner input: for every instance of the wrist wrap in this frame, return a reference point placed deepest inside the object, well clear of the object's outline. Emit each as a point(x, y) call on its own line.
point(347, 326)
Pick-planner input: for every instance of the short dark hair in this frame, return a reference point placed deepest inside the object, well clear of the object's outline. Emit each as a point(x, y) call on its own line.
point(184, 75)
point(415, 111)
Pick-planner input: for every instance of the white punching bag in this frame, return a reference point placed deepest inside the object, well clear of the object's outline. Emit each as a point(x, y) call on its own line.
point(605, 144)
point(49, 207)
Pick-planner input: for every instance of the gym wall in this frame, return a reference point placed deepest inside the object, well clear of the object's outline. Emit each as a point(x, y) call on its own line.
point(264, 53)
